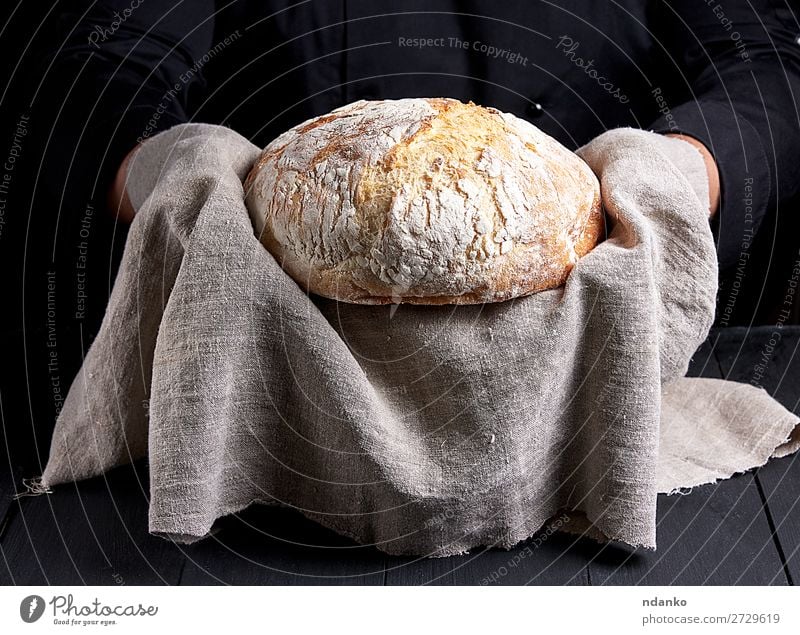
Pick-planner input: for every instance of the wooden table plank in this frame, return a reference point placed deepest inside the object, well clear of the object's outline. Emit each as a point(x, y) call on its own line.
point(409, 571)
point(780, 485)
point(11, 471)
point(92, 532)
point(546, 559)
point(717, 534)
point(267, 545)
point(9, 481)
point(10, 466)
point(8, 478)
point(741, 352)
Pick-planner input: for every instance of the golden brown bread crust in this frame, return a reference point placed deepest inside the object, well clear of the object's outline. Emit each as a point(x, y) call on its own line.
point(425, 201)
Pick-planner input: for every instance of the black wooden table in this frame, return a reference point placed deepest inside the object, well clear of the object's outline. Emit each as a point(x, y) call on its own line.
point(745, 530)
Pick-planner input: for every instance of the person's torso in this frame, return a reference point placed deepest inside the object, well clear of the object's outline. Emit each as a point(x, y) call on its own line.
point(574, 69)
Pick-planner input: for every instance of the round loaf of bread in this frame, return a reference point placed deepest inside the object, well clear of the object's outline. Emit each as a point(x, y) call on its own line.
point(426, 201)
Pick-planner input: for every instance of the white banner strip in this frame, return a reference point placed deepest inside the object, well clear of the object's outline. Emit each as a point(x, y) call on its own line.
point(402, 610)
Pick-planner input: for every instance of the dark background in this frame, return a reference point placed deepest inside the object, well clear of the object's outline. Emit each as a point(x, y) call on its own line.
point(40, 235)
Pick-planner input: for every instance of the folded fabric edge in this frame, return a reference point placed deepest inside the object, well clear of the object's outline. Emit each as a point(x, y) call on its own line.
point(189, 538)
point(791, 444)
point(579, 523)
point(789, 427)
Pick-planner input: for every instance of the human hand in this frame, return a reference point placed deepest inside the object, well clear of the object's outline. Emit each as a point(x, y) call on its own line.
point(119, 203)
point(605, 151)
point(711, 169)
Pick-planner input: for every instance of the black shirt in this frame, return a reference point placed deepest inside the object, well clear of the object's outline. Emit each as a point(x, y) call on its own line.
point(724, 72)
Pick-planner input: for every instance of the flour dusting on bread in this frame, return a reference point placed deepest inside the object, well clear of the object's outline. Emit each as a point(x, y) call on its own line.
point(428, 201)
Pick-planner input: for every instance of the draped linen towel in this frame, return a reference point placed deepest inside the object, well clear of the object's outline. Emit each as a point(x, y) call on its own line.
point(423, 430)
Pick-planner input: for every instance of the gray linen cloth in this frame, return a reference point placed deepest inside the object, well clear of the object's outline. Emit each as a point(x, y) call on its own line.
point(419, 429)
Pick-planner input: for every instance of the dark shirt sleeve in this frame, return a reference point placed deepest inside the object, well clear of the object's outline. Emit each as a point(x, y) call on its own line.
point(119, 71)
point(740, 68)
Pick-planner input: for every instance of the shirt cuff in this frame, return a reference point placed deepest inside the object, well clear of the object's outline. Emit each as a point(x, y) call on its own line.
point(745, 180)
point(82, 160)
point(118, 135)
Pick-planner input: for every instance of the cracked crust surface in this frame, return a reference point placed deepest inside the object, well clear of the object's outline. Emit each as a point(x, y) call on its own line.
point(426, 201)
